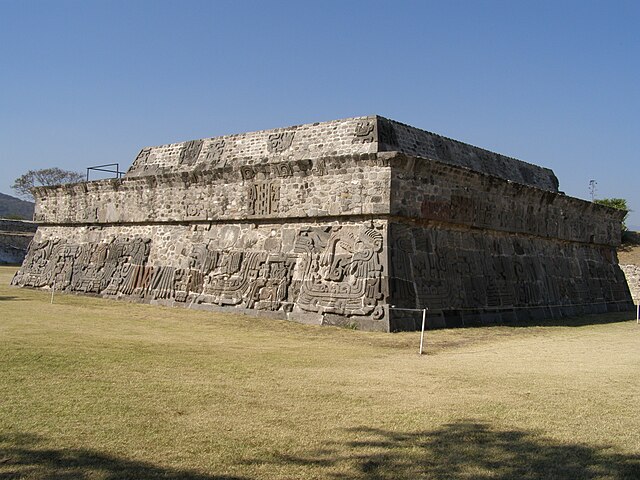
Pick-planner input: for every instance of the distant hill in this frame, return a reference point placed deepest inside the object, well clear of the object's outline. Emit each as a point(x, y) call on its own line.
point(12, 207)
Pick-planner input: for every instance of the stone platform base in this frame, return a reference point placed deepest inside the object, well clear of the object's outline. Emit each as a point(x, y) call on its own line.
point(402, 321)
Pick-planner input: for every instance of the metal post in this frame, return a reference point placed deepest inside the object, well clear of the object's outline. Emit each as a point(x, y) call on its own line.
point(638, 313)
point(53, 290)
point(424, 321)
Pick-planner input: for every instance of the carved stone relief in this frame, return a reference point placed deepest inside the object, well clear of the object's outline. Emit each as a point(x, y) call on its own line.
point(365, 132)
point(342, 271)
point(190, 152)
point(214, 153)
point(339, 271)
point(143, 156)
point(264, 198)
point(247, 172)
point(462, 270)
point(320, 167)
point(140, 164)
point(91, 268)
point(279, 142)
point(282, 169)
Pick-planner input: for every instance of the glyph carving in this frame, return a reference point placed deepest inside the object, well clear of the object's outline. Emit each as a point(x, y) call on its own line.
point(264, 198)
point(364, 132)
point(215, 152)
point(190, 152)
point(104, 268)
point(279, 142)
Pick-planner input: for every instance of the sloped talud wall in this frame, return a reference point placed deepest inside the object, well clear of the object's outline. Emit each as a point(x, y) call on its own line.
point(313, 273)
point(467, 277)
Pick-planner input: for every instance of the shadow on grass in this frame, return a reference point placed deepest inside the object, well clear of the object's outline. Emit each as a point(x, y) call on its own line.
point(11, 298)
point(465, 450)
point(581, 321)
point(20, 456)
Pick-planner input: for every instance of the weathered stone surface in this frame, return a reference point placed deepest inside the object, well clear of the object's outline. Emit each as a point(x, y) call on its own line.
point(332, 223)
point(436, 192)
point(302, 270)
point(331, 186)
point(632, 273)
point(353, 136)
point(479, 277)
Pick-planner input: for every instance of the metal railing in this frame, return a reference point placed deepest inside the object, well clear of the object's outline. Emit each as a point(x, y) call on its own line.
point(100, 168)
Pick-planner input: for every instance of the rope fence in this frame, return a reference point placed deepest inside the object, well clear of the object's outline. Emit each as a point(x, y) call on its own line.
point(604, 302)
point(424, 312)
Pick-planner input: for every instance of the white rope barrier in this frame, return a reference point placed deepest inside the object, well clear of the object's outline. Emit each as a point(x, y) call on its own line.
point(604, 302)
point(424, 313)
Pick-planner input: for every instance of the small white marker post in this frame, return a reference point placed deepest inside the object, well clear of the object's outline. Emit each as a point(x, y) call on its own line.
point(424, 321)
point(638, 313)
point(53, 290)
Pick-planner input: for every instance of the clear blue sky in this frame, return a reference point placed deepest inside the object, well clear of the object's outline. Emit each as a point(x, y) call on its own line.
point(554, 83)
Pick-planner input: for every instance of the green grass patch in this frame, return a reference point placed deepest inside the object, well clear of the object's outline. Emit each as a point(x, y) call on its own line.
point(99, 389)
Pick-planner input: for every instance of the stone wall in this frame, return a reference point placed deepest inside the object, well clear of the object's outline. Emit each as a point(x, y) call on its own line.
point(15, 236)
point(398, 137)
point(332, 273)
point(472, 277)
point(332, 186)
point(437, 192)
point(473, 249)
point(352, 136)
point(632, 273)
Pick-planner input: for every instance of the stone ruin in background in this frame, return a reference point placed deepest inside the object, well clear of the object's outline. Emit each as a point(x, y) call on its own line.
point(332, 223)
point(15, 236)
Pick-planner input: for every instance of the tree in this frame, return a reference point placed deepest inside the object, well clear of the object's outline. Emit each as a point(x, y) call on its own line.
point(44, 177)
point(619, 203)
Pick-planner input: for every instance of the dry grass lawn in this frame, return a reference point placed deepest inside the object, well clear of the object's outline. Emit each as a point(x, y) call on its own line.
point(97, 389)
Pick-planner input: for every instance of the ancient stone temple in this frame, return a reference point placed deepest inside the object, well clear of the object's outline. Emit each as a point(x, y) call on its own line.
point(333, 223)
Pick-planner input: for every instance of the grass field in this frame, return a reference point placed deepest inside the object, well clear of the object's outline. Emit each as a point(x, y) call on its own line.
point(97, 389)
